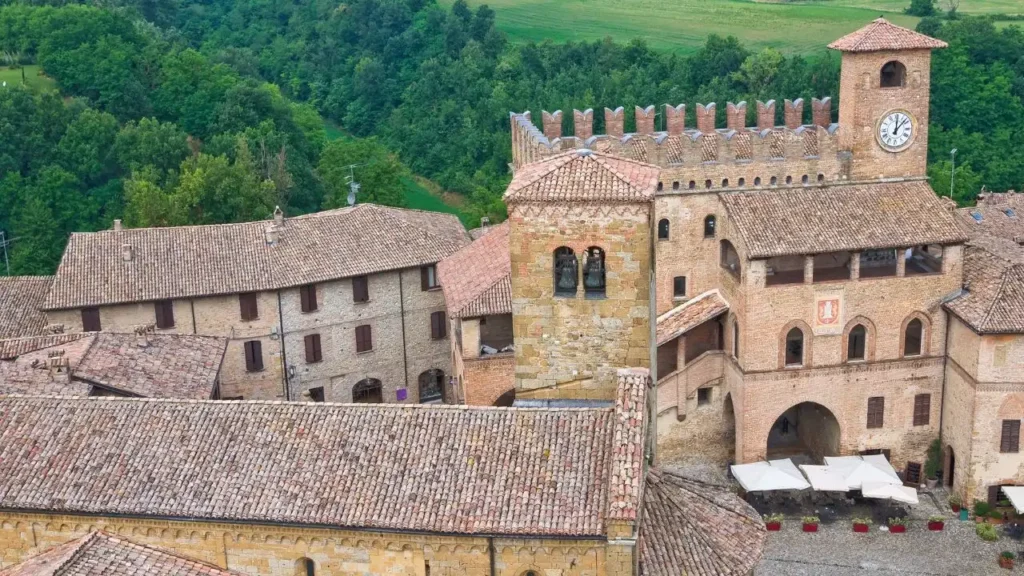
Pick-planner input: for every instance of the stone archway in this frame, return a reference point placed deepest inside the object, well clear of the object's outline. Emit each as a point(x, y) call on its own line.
point(949, 467)
point(806, 432)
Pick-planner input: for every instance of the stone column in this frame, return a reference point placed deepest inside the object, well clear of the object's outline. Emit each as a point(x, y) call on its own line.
point(855, 266)
point(901, 262)
point(808, 269)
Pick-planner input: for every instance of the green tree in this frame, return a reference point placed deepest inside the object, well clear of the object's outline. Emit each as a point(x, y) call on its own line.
point(212, 189)
point(759, 72)
point(921, 8)
point(966, 184)
point(85, 148)
point(378, 172)
point(149, 142)
point(39, 243)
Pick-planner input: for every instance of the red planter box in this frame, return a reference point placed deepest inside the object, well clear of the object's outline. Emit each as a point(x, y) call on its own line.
point(1006, 563)
point(955, 507)
point(810, 527)
point(936, 526)
point(897, 529)
point(860, 527)
point(773, 526)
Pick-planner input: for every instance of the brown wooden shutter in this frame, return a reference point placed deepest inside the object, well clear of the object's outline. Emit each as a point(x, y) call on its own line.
point(876, 411)
point(313, 352)
point(424, 280)
point(248, 306)
point(437, 325)
point(253, 356)
point(364, 339)
point(360, 289)
point(90, 319)
point(1009, 442)
point(922, 409)
point(307, 295)
point(164, 313)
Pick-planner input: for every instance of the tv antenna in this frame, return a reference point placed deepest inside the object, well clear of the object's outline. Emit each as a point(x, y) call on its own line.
point(353, 186)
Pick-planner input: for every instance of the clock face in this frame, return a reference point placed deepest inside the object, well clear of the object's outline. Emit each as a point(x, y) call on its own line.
point(895, 131)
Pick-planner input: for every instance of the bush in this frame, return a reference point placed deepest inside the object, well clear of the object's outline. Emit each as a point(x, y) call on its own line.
point(921, 8)
point(995, 515)
point(1008, 555)
point(981, 508)
point(936, 518)
point(864, 520)
point(769, 518)
point(897, 521)
point(986, 532)
point(810, 519)
point(931, 465)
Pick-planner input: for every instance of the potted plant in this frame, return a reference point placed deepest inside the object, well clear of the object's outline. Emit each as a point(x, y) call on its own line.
point(986, 532)
point(773, 522)
point(936, 523)
point(810, 523)
point(1006, 560)
point(931, 465)
point(861, 524)
point(994, 517)
point(897, 525)
point(981, 510)
point(954, 503)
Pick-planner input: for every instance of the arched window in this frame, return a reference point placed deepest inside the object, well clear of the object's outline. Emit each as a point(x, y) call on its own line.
point(432, 386)
point(305, 567)
point(804, 179)
point(663, 229)
point(368, 391)
point(730, 259)
point(565, 272)
point(912, 338)
point(789, 179)
point(894, 75)
point(821, 177)
point(661, 186)
point(742, 182)
point(774, 180)
point(725, 182)
point(707, 183)
point(757, 181)
point(709, 226)
point(795, 347)
point(675, 185)
point(593, 272)
point(856, 345)
point(691, 185)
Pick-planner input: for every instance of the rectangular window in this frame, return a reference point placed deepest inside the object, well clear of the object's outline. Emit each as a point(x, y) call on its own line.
point(307, 296)
point(364, 339)
point(679, 286)
point(1010, 441)
point(437, 325)
point(428, 277)
point(922, 409)
point(90, 319)
point(313, 352)
point(876, 411)
point(248, 307)
point(164, 313)
point(253, 356)
point(703, 396)
point(360, 289)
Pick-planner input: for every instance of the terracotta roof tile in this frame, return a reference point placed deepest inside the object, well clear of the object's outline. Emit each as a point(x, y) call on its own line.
point(21, 300)
point(627, 467)
point(102, 554)
point(477, 280)
point(816, 220)
point(583, 176)
point(189, 261)
point(689, 527)
point(46, 370)
point(690, 314)
point(448, 469)
point(14, 347)
point(882, 35)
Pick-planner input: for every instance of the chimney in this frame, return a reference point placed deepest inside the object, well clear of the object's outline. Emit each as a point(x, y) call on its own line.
point(117, 225)
point(58, 367)
point(272, 235)
point(485, 222)
point(143, 332)
point(278, 217)
point(126, 252)
point(54, 329)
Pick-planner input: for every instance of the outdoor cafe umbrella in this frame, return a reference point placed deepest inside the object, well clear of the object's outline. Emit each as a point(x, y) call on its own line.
point(824, 479)
point(773, 475)
point(859, 470)
point(886, 491)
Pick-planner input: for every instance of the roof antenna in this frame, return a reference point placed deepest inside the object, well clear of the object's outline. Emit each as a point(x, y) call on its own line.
point(353, 186)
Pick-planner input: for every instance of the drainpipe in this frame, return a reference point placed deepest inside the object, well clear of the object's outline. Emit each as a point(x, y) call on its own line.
point(284, 356)
point(490, 552)
point(405, 353)
point(192, 306)
point(945, 367)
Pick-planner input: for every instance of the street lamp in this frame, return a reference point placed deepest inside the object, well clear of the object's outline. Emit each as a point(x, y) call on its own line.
point(952, 171)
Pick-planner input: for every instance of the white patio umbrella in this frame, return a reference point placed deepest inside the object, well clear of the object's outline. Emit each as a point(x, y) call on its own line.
point(857, 470)
point(765, 476)
point(885, 491)
point(824, 479)
point(1016, 496)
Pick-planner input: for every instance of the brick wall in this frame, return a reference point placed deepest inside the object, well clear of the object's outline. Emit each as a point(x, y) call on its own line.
point(275, 551)
point(562, 340)
point(487, 378)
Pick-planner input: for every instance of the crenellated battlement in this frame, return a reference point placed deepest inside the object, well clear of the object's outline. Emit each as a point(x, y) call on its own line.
point(810, 151)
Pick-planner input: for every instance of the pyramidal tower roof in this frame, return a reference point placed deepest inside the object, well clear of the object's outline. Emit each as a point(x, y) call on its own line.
point(584, 176)
point(882, 35)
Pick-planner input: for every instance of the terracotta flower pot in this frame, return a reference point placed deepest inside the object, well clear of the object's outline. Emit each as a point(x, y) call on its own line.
point(1006, 563)
point(936, 526)
point(955, 507)
point(810, 527)
point(860, 527)
point(897, 529)
point(773, 526)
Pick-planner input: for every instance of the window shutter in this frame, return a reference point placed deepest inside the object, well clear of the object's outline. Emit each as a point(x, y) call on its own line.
point(364, 339)
point(304, 298)
point(922, 409)
point(993, 495)
point(257, 354)
point(876, 411)
point(1009, 442)
point(164, 313)
point(424, 280)
point(437, 325)
point(90, 319)
point(248, 357)
point(248, 306)
point(360, 289)
point(313, 352)
point(308, 341)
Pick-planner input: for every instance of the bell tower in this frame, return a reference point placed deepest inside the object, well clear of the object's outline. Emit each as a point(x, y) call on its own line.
point(581, 248)
point(883, 100)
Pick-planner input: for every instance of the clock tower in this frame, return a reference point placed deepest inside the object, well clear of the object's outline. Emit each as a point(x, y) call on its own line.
point(883, 100)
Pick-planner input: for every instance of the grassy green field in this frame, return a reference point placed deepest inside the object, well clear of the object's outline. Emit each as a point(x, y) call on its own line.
point(12, 76)
point(682, 25)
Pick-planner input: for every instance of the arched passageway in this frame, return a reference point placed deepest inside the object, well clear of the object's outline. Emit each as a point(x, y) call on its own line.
point(806, 432)
point(949, 467)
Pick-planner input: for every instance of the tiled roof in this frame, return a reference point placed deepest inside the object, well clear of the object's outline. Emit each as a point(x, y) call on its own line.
point(627, 466)
point(477, 280)
point(690, 314)
point(14, 347)
point(189, 261)
point(882, 35)
point(21, 298)
point(478, 233)
point(155, 365)
point(689, 527)
point(583, 176)
point(102, 554)
point(438, 469)
point(993, 298)
point(843, 217)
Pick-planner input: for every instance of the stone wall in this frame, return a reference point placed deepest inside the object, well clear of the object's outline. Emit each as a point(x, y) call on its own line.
point(686, 252)
point(578, 341)
point(688, 431)
point(276, 550)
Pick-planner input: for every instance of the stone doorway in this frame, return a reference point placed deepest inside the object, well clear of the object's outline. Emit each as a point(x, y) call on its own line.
point(806, 433)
